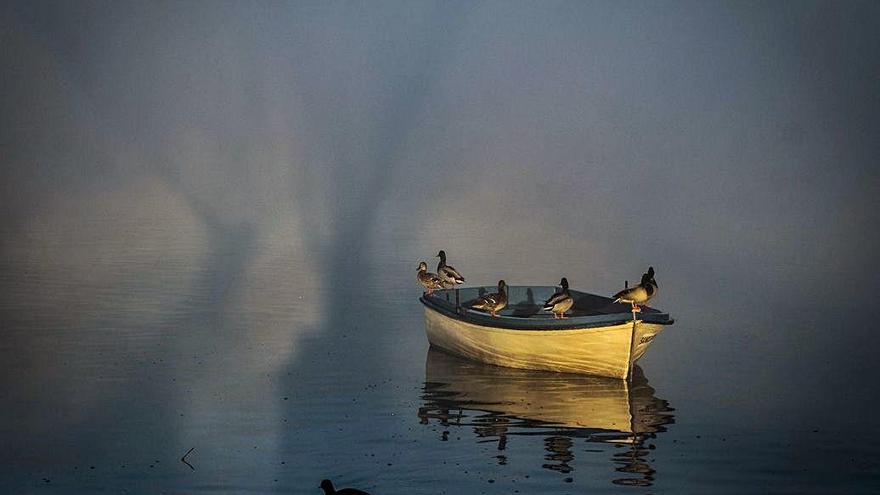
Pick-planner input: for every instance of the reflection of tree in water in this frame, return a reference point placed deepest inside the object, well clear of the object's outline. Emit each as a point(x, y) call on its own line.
point(501, 404)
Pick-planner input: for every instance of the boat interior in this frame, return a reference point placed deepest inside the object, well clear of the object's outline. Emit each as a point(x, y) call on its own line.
point(525, 303)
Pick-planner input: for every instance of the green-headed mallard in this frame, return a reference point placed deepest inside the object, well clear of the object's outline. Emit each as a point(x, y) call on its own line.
point(561, 301)
point(493, 302)
point(429, 281)
point(447, 274)
point(639, 294)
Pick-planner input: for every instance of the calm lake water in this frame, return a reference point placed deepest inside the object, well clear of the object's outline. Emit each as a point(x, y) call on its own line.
point(126, 343)
point(211, 214)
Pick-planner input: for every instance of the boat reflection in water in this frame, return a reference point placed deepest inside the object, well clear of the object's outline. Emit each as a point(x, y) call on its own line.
point(500, 403)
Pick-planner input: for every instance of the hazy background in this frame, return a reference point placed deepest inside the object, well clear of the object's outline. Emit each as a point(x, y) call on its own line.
point(212, 185)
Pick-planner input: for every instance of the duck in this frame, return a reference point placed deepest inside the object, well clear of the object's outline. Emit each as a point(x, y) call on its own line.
point(493, 302)
point(328, 488)
point(639, 294)
point(560, 302)
point(429, 281)
point(448, 274)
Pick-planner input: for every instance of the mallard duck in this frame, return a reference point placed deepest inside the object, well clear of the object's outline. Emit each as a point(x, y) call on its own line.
point(561, 301)
point(639, 294)
point(429, 281)
point(328, 488)
point(448, 274)
point(493, 302)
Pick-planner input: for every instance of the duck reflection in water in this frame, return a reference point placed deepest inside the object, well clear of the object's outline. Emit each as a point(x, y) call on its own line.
point(502, 403)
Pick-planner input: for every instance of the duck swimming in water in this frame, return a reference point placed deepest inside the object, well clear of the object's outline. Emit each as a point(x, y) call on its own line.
point(328, 488)
point(560, 302)
point(428, 280)
point(447, 274)
point(639, 294)
point(493, 302)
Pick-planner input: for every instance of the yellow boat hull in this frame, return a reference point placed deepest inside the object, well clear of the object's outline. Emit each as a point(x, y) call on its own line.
point(605, 351)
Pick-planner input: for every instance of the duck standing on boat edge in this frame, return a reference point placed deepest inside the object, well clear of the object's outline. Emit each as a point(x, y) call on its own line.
point(639, 294)
point(447, 273)
point(560, 302)
point(493, 302)
point(428, 280)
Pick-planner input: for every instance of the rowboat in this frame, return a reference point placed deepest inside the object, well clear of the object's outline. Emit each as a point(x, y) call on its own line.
point(600, 337)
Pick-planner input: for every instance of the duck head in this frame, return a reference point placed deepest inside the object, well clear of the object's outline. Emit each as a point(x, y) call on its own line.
point(423, 267)
point(502, 286)
point(648, 278)
point(442, 255)
point(327, 486)
point(564, 283)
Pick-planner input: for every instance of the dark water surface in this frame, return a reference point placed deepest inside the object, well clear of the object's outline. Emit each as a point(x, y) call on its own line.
point(115, 362)
point(211, 214)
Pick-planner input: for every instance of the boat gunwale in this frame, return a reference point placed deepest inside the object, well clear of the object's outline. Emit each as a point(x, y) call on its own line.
point(516, 323)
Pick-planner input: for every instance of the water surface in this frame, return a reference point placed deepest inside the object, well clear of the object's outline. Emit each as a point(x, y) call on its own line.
point(212, 214)
point(115, 366)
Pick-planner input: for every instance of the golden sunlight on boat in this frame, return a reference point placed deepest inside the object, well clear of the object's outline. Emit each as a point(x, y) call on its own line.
point(600, 337)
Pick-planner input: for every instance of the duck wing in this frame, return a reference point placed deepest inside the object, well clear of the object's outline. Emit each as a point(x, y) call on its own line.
point(430, 281)
point(488, 301)
point(633, 294)
point(622, 294)
point(451, 274)
point(555, 299)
